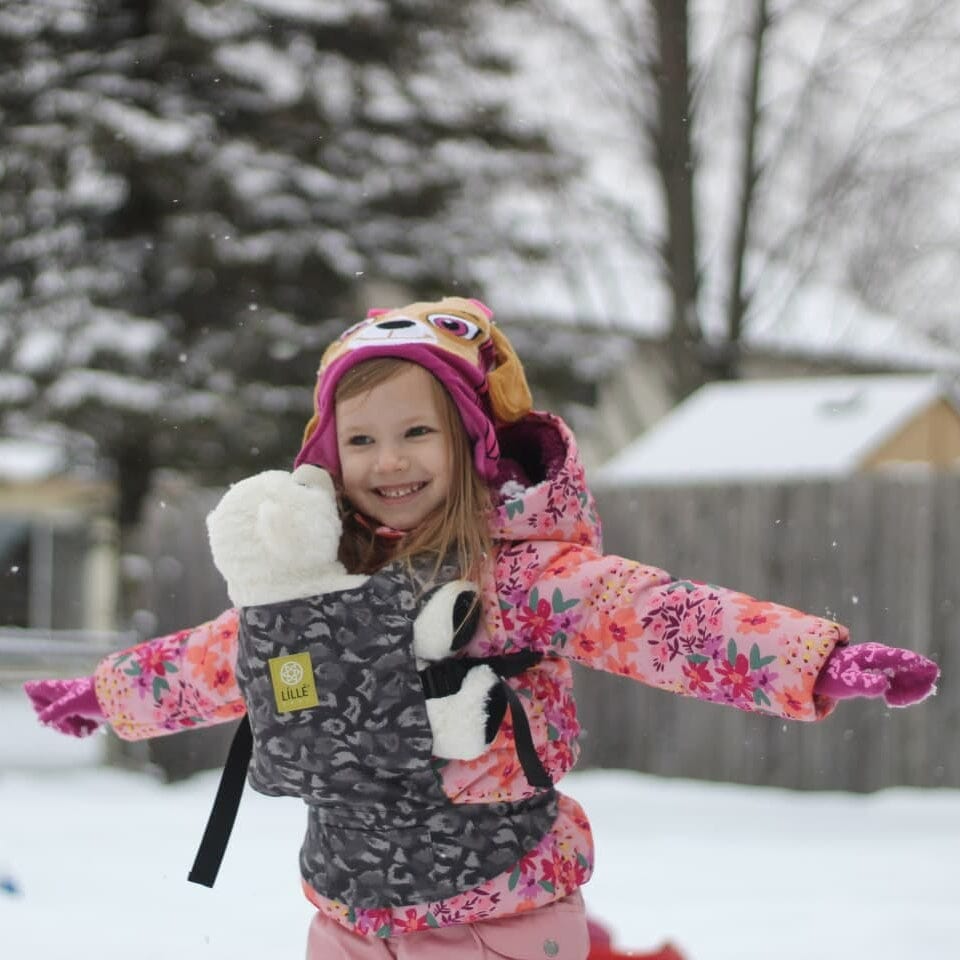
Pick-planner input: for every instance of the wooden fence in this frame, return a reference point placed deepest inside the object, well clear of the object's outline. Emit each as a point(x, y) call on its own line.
point(179, 587)
point(878, 552)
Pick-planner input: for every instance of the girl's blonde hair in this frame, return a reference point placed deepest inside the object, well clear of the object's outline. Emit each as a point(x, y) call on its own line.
point(458, 528)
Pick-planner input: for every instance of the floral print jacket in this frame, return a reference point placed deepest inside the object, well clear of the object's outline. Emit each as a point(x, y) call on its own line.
point(550, 589)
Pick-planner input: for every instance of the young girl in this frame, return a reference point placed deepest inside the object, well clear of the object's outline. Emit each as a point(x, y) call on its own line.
point(423, 417)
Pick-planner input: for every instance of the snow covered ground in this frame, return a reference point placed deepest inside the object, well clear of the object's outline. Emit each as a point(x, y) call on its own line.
point(98, 859)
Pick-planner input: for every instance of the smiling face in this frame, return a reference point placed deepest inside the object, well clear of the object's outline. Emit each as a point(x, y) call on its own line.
point(395, 449)
point(454, 339)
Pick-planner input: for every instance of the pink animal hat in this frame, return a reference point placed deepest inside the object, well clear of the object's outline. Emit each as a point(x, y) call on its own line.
point(457, 341)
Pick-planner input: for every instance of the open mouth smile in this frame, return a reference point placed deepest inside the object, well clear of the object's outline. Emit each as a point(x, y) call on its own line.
point(400, 493)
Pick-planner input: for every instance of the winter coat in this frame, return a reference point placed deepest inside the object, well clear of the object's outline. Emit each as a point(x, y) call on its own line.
point(552, 590)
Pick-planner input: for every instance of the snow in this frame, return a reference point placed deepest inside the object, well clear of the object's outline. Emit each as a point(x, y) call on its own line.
point(154, 136)
point(100, 858)
point(261, 65)
point(252, 173)
point(773, 429)
point(90, 186)
point(387, 104)
point(309, 11)
point(15, 388)
point(115, 332)
point(219, 23)
point(11, 290)
point(44, 243)
point(24, 461)
point(30, 19)
point(37, 351)
point(71, 331)
point(335, 85)
point(115, 390)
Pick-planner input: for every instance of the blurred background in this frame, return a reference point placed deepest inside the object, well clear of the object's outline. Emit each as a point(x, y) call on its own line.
point(724, 237)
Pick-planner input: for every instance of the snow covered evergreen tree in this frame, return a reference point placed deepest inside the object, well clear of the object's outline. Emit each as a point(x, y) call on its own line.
point(194, 196)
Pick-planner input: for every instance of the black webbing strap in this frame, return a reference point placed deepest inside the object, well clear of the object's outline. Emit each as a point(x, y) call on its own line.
point(225, 805)
point(444, 677)
point(533, 768)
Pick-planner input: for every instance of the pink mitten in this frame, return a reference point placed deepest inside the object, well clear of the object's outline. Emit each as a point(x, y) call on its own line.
point(70, 706)
point(901, 677)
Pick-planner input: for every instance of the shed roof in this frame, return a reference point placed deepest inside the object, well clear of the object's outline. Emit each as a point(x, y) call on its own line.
point(770, 429)
point(26, 461)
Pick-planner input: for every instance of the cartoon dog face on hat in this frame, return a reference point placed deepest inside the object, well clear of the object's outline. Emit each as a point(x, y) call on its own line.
point(457, 341)
point(461, 326)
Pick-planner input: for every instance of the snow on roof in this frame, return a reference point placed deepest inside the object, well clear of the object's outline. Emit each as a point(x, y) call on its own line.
point(26, 461)
point(770, 429)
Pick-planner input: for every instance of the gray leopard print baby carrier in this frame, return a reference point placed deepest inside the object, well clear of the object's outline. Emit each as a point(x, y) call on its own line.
point(337, 710)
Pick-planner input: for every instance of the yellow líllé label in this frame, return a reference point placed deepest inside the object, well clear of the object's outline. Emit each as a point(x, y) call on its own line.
point(293, 686)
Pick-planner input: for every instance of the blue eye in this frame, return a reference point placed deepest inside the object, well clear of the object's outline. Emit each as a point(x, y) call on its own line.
point(464, 329)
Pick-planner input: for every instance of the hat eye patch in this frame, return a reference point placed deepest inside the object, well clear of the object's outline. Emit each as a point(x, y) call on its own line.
point(458, 326)
point(397, 330)
point(353, 328)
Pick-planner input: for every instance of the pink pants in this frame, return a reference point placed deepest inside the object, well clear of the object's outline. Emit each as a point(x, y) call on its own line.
point(557, 931)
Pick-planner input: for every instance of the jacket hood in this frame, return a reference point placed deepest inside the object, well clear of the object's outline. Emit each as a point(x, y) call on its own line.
point(541, 489)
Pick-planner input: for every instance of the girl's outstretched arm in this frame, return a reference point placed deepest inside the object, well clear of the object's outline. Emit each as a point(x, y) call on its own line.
point(698, 639)
point(171, 683)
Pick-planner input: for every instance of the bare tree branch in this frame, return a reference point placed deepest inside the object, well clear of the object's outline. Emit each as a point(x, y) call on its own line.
point(749, 174)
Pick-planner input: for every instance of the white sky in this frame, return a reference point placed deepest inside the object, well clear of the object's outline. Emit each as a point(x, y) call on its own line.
point(596, 276)
point(100, 858)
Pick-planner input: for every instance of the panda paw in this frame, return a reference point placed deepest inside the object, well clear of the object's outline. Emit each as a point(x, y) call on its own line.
point(465, 723)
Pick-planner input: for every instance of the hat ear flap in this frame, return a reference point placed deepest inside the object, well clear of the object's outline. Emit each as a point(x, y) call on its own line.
point(510, 396)
point(315, 419)
point(310, 428)
point(482, 307)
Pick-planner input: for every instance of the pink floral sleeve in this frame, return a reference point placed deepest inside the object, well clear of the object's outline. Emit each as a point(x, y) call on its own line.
point(183, 680)
point(691, 638)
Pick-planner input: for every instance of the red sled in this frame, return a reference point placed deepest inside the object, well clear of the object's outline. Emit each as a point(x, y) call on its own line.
point(602, 948)
point(667, 952)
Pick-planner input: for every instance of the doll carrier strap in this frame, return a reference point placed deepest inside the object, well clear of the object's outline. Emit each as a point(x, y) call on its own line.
point(444, 677)
point(440, 679)
point(225, 805)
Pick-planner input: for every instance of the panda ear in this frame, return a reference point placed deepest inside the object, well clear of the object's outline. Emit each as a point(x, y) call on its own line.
point(447, 621)
point(466, 618)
